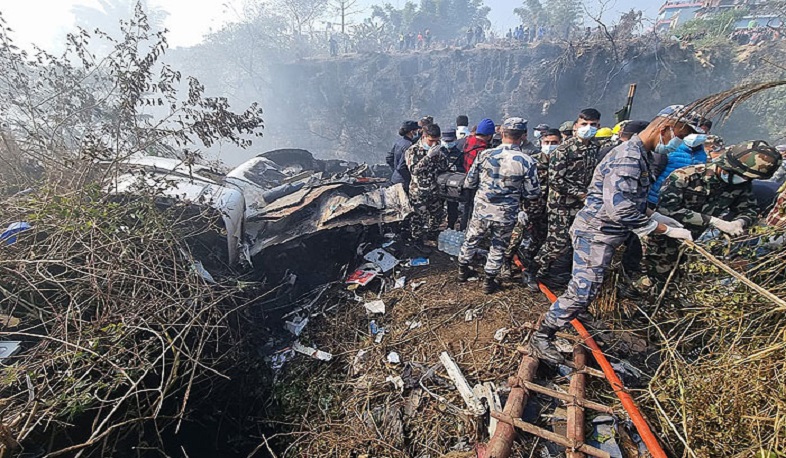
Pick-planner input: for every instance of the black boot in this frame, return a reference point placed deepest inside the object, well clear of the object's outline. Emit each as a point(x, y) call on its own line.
point(506, 273)
point(464, 273)
point(529, 281)
point(541, 346)
point(490, 284)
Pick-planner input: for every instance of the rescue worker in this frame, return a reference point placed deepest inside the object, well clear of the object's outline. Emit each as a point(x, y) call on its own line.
point(395, 158)
point(627, 129)
point(714, 147)
point(570, 172)
point(476, 143)
point(538, 131)
point(616, 205)
point(698, 195)
point(566, 129)
point(526, 145)
point(455, 160)
point(537, 222)
point(426, 159)
point(503, 177)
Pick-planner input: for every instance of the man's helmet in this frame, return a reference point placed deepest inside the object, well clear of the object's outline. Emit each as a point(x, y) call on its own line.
point(604, 133)
point(567, 126)
point(754, 160)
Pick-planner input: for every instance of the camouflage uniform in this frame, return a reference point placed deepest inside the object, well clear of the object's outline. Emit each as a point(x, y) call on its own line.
point(570, 171)
point(537, 223)
point(503, 177)
point(691, 195)
point(427, 205)
point(603, 225)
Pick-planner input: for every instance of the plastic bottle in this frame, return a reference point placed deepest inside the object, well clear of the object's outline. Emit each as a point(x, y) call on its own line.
point(441, 240)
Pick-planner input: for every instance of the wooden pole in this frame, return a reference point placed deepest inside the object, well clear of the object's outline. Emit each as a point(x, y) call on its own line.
point(500, 446)
point(549, 436)
point(578, 383)
point(569, 398)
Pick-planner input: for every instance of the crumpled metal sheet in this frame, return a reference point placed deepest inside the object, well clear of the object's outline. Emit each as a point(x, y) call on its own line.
point(325, 207)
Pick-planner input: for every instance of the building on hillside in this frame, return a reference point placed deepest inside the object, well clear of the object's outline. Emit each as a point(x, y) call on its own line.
point(760, 13)
point(674, 13)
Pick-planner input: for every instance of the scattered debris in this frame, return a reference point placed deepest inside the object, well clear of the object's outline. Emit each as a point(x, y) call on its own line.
point(397, 381)
point(375, 307)
point(361, 358)
point(418, 262)
point(363, 275)
point(488, 394)
point(473, 403)
point(501, 333)
point(400, 282)
point(9, 235)
point(9, 348)
point(394, 358)
point(296, 325)
point(417, 284)
point(470, 315)
point(312, 352)
point(202, 272)
point(382, 259)
point(413, 324)
point(278, 359)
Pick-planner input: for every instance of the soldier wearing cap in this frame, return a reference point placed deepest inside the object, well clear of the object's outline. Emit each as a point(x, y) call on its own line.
point(426, 159)
point(503, 177)
point(698, 195)
point(395, 158)
point(570, 171)
point(537, 132)
point(616, 205)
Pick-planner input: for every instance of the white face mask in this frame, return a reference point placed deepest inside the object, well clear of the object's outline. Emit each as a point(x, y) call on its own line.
point(694, 140)
point(548, 148)
point(448, 145)
point(735, 179)
point(586, 132)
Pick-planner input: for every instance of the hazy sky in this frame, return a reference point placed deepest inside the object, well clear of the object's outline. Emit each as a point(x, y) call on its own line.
point(45, 22)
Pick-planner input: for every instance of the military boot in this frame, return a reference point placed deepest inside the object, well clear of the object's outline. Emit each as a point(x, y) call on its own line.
point(490, 284)
point(541, 346)
point(528, 279)
point(506, 273)
point(464, 273)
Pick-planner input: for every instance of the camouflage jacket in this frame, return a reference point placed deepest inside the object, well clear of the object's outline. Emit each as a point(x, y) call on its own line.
point(570, 171)
point(529, 148)
point(777, 216)
point(694, 194)
point(537, 207)
point(503, 177)
point(617, 195)
point(424, 169)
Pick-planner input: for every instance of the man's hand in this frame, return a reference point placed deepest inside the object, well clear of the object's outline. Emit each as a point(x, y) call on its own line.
point(733, 228)
point(678, 233)
point(663, 219)
point(434, 151)
point(522, 218)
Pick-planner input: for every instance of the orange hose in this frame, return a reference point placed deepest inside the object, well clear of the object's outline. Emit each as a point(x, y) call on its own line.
point(616, 384)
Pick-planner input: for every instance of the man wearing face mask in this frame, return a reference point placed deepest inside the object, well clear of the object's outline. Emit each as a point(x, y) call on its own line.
point(570, 170)
point(697, 195)
point(688, 151)
point(503, 177)
point(395, 158)
point(616, 205)
point(455, 158)
point(535, 225)
point(426, 159)
point(526, 145)
point(538, 133)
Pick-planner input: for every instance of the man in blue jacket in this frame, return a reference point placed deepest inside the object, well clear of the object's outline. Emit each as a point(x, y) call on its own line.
point(395, 158)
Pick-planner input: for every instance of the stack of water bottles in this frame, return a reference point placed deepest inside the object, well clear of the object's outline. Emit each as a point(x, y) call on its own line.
point(450, 241)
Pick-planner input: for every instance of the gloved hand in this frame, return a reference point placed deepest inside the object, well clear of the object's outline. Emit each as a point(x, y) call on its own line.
point(434, 150)
point(663, 219)
point(732, 228)
point(678, 233)
point(522, 218)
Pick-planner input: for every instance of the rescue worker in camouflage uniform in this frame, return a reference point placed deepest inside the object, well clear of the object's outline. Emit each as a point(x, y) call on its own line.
point(697, 195)
point(426, 159)
point(503, 177)
point(616, 205)
point(537, 225)
point(570, 171)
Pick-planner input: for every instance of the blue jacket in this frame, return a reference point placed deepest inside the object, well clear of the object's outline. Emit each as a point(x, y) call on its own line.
point(395, 160)
point(679, 158)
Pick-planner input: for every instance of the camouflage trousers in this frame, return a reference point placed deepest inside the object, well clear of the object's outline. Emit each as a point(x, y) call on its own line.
point(558, 240)
point(592, 253)
point(427, 215)
point(498, 232)
point(536, 231)
point(660, 256)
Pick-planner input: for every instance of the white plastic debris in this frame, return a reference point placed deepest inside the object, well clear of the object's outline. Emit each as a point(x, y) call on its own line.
point(380, 335)
point(417, 284)
point(277, 360)
point(488, 391)
point(384, 260)
point(296, 325)
point(501, 333)
point(312, 352)
point(473, 403)
point(359, 362)
point(202, 272)
point(394, 358)
point(470, 315)
point(413, 324)
point(373, 307)
point(400, 282)
point(397, 381)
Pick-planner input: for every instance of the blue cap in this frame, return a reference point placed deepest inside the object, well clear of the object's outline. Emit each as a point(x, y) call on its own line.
point(485, 127)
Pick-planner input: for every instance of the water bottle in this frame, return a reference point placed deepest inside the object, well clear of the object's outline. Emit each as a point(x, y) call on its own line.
point(441, 241)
